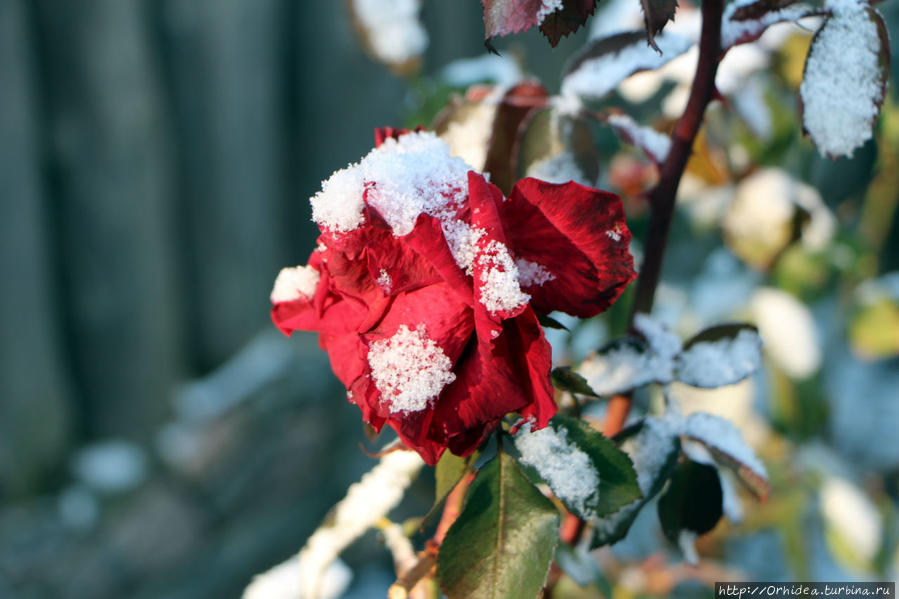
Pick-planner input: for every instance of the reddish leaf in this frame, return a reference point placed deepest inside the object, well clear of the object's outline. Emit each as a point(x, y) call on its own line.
point(567, 19)
point(656, 13)
point(502, 17)
point(518, 103)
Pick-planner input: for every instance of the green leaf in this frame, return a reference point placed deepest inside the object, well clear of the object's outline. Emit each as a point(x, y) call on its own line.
point(654, 451)
point(566, 379)
point(547, 135)
point(502, 544)
point(548, 322)
point(449, 470)
point(617, 478)
point(692, 501)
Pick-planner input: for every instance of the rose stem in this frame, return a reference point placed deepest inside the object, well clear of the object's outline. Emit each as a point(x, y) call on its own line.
point(662, 196)
point(661, 205)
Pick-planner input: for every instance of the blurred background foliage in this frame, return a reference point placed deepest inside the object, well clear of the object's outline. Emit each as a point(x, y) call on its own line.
point(159, 439)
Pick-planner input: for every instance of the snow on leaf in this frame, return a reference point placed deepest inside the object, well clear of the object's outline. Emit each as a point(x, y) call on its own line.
point(653, 143)
point(567, 19)
point(584, 469)
point(727, 446)
point(653, 446)
point(844, 82)
point(623, 365)
point(744, 22)
point(606, 62)
point(719, 360)
point(631, 362)
point(661, 341)
point(567, 470)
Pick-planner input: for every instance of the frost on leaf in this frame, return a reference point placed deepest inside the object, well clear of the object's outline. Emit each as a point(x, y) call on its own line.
point(727, 446)
point(623, 365)
point(606, 62)
point(502, 17)
point(632, 362)
point(844, 81)
point(653, 143)
point(725, 355)
point(653, 446)
point(745, 21)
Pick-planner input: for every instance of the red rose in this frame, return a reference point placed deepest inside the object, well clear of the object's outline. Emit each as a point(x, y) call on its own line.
point(425, 284)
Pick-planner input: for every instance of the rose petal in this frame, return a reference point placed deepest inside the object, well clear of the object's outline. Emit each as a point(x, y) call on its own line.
point(578, 235)
point(496, 283)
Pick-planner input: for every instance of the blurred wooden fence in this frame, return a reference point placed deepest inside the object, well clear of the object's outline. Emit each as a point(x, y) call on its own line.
point(155, 161)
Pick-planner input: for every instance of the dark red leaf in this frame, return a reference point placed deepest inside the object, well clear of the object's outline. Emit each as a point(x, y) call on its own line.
point(656, 13)
point(567, 19)
point(502, 17)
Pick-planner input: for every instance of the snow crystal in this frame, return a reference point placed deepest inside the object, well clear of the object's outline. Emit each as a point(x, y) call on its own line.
point(384, 281)
point(338, 206)
point(500, 290)
point(842, 87)
point(614, 234)
point(403, 178)
point(569, 471)
point(547, 7)
point(409, 369)
point(392, 28)
point(462, 239)
point(654, 143)
point(721, 434)
point(723, 362)
point(560, 168)
point(295, 283)
point(531, 273)
point(596, 77)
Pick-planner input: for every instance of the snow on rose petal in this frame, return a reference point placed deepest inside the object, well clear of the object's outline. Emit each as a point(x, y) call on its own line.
point(425, 283)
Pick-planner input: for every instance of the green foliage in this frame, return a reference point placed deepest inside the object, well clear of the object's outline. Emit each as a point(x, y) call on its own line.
point(692, 501)
point(566, 379)
point(502, 544)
